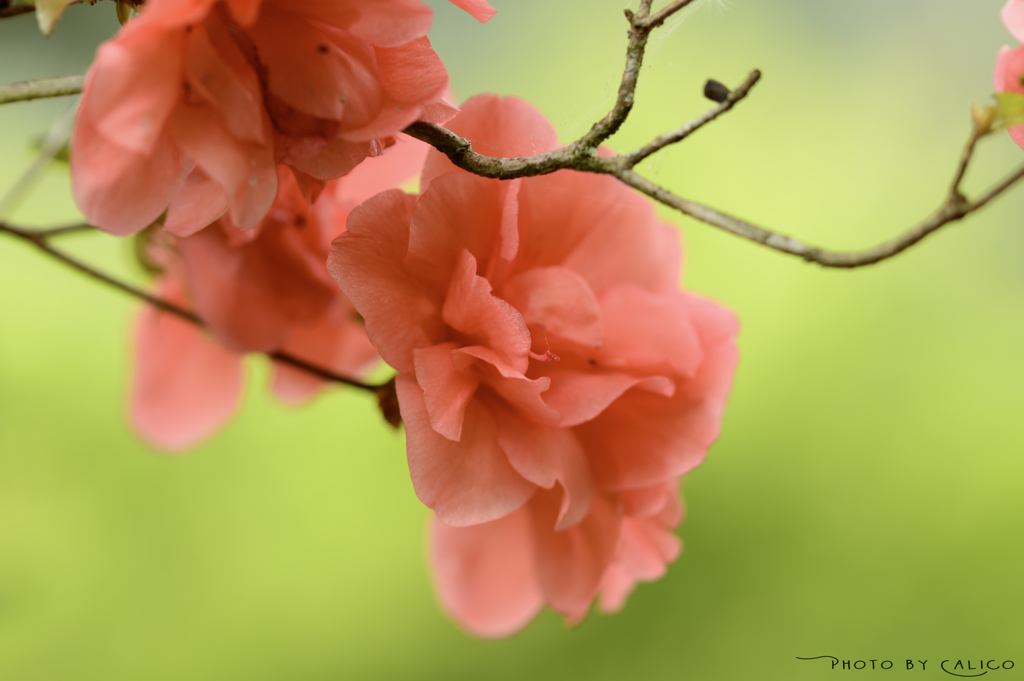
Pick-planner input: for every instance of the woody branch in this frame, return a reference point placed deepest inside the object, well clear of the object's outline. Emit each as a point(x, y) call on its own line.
point(582, 155)
point(41, 239)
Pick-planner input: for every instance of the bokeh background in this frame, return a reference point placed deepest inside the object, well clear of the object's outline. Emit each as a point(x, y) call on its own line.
point(864, 500)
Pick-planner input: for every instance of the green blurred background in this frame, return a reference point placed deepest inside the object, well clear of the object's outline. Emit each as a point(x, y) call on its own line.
point(864, 500)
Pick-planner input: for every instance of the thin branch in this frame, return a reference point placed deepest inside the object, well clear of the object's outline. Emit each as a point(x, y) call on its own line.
point(40, 89)
point(661, 16)
point(59, 231)
point(965, 161)
point(681, 133)
point(38, 238)
point(583, 155)
point(55, 140)
point(15, 10)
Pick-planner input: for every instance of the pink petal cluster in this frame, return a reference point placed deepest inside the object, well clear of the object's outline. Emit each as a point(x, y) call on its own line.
point(259, 290)
point(554, 381)
point(190, 107)
point(1009, 71)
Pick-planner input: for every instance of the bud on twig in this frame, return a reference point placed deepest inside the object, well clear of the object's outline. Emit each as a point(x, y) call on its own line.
point(983, 117)
point(124, 11)
point(715, 91)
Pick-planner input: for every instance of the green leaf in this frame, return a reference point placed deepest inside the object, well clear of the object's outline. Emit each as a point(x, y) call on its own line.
point(1010, 108)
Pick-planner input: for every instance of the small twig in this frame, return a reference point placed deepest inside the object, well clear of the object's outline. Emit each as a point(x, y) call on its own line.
point(681, 133)
point(659, 17)
point(15, 10)
point(55, 140)
point(40, 89)
point(582, 155)
point(39, 239)
point(59, 231)
point(965, 161)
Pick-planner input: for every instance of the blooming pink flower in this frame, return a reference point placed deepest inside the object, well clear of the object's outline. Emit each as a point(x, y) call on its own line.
point(1008, 74)
point(1013, 17)
point(1009, 70)
point(553, 380)
point(259, 290)
point(193, 103)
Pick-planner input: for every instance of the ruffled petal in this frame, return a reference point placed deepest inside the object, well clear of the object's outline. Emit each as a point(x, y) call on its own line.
point(366, 261)
point(118, 190)
point(521, 393)
point(580, 396)
point(649, 332)
point(217, 71)
point(592, 225)
point(199, 202)
point(411, 73)
point(250, 295)
point(1009, 70)
point(456, 212)
point(559, 301)
point(244, 169)
point(471, 309)
point(321, 72)
point(571, 562)
point(1013, 17)
point(643, 439)
point(466, 482)
point(388, 23)
point(335, 159)
point(446, 389)
point(134, 85)
point(478, 9)
point(545, 455)
point(485, 574)
point(185, 385)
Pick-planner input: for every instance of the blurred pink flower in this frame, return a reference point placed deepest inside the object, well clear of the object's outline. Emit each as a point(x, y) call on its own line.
point(258, 290)
point(553, 380)
point(1013, 17)
point(1008, 73)
point(195, 101)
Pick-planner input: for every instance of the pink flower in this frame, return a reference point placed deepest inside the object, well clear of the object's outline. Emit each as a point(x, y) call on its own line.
point(1009, 70)
point(553, 380)
point(1013, 17)
point(259, 290)
point(1008, 74)
point(193, 103)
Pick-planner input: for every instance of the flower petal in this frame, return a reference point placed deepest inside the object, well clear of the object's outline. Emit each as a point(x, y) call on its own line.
point(1013, 17)
point(588, 224)
point(335, 341)
point(546, 455)
point(471, 309)
point(199, 202)
point(411, 73)
point(185, 385)
point(217, 72)
point(571, 562)
point(466, 482)
point(118, 190)
point(559, 301)
point(505, 127)
point(478, 9)
point(133, 86)
point(446, 389)
point(485, 574)
point(649, 332)
point(366, 261)
point(244, 169)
